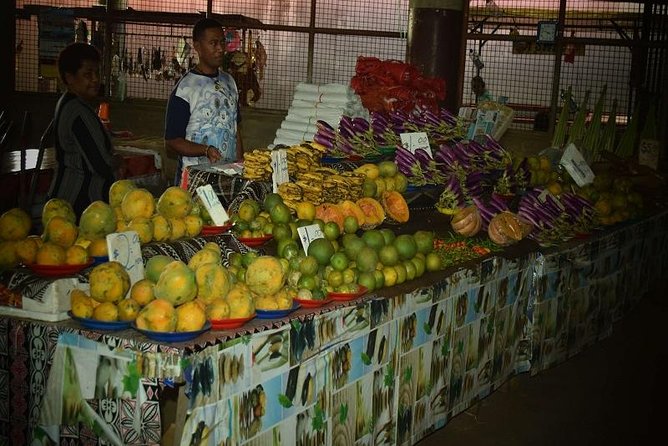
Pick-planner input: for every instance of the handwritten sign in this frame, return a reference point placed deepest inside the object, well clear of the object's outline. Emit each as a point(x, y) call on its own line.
point(576, 166)
point(212, 204)
point(309, 233)
point(414, 141)
point(124, 248)
point(279, 166)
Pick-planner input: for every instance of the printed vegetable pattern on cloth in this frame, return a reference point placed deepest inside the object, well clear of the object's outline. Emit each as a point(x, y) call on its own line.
point(423, 356)
point(27, 354)
point(580, 292)
point(369, 372)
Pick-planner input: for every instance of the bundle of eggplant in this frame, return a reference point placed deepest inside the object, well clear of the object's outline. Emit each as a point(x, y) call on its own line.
point(360, 138)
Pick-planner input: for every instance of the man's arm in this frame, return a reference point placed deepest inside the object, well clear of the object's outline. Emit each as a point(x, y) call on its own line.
point(188, 148)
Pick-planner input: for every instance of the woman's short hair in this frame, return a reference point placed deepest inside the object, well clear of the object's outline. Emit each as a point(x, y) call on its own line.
point(204, 24)
point(72, 57)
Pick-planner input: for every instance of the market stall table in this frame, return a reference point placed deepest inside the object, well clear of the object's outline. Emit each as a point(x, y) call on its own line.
point(389, 367)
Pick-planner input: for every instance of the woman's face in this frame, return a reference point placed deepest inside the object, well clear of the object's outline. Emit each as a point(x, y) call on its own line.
point(85, 83)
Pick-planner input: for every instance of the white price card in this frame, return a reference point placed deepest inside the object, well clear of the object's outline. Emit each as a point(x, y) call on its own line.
point(546, 193)
point(279, 166)
point(576, 166)
point(124, 248)
point(309, 233)
point(213, 205)
point(648, 153)
point(416, 140)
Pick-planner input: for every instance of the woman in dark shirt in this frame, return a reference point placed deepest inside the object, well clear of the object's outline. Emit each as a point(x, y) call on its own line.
point(86, 166)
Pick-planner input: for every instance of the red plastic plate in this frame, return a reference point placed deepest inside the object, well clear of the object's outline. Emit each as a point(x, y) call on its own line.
point(255, 241)
point(348, 296)
point(227, 324)
point(313, 303)
point(58, 270)
point(215, 230)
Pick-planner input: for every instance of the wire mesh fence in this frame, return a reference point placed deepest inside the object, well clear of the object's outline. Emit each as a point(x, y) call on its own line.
point(512, 44)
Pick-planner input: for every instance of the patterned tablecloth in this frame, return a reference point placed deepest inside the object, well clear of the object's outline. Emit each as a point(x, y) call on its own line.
point(383, 369)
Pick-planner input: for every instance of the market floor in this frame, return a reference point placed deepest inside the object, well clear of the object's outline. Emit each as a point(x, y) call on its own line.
point(613, 393)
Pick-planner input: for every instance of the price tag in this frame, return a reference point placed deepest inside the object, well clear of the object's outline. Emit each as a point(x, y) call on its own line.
point(124, 248)
point(416, 140)
point(484, 124)
point(279, 166)
point(576, 166)
point(544, 196)
point(309, 233)
point(648, 153)
point(212, 204)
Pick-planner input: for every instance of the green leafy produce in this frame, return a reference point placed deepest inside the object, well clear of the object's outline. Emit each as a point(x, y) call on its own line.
point(626, 144)
point(560, 132)
point(610, 130)
point(592, 134)
point(576, 132)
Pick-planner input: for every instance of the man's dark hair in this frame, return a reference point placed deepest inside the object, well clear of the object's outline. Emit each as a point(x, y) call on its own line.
point(202, 25)
point(72, 57)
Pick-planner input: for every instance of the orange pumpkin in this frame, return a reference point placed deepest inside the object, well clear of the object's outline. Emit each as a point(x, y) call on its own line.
point(466, 221)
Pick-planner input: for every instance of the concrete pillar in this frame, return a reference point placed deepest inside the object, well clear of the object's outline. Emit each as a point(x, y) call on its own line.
point(437, 43)
point(8, 35)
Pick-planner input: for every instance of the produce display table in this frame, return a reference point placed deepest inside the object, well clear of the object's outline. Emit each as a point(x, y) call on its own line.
point(384, 369)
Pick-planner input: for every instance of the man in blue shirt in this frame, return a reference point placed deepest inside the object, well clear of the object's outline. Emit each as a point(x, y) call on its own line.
point(203, 109)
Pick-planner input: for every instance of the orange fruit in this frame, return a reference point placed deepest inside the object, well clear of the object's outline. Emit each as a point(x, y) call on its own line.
point(14, 224)
point(8, 258)
point(26, 251)
point(61, 231)
point(50, 254)
point(158, 315)
point(98, 248)
point(76, 255)
point(305, 210)
point(218, 309)
point(128, 309)
point(142, 292)
point(106, 311)
point(190, 317)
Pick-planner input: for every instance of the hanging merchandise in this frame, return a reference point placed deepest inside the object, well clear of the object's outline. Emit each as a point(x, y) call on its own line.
point(232, 40)
point(242, 65)
point(260, 58)
point(182, 52)
point(81, 33)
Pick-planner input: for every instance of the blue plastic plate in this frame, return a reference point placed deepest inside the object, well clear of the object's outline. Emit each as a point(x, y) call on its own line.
point(331, 159)
point(100, 259)
point(172, 336)
point(419, 188)
point(274, 314)
point(94, 324)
